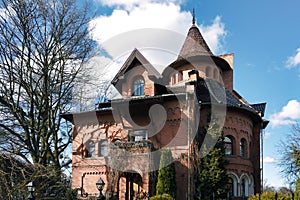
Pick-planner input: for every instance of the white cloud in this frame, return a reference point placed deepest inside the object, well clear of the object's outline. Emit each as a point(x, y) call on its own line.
point(150, 14)
point(157, 28)
point(269, 160)
point(214, 34)
point(293, 61)
point(288, 115)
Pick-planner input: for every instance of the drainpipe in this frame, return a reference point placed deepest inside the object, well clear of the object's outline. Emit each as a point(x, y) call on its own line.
point(193, 82)
point(81, 189)
point(188, 124)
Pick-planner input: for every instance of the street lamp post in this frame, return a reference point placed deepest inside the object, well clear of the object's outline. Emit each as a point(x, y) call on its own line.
point(100, 184)
point(30, 188)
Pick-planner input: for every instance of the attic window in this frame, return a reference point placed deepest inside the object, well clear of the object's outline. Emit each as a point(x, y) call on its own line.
point(138, 87)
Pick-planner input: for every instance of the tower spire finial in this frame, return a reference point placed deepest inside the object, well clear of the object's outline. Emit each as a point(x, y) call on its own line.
point(194, 20)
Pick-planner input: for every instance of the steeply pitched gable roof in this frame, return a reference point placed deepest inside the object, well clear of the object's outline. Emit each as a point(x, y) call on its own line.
point(136, 55)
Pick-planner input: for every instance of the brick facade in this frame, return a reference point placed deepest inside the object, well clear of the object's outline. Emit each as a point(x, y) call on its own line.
point(120, 141)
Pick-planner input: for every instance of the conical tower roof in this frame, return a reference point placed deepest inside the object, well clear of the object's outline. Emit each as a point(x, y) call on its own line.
point(193, 50)
point(194, 44)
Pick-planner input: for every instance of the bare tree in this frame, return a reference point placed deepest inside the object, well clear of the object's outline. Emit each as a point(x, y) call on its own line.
point(289, 150)
point(89, 93)
point(13, 173)
point(43, 46)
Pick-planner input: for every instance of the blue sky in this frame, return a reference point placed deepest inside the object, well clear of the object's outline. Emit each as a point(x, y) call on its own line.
point(263, 35)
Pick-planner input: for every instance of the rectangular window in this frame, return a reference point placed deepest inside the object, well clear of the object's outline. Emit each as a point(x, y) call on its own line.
point(138, 135)
point(103, 148)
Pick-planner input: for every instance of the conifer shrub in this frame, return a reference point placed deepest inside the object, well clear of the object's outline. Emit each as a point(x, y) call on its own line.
point(166, 183)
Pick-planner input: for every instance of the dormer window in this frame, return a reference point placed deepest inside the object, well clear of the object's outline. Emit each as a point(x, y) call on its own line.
point(138, 87)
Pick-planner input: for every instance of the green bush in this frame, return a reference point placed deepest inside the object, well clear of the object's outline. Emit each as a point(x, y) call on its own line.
point(270, 195)
point(166, 183)
point(162, 197)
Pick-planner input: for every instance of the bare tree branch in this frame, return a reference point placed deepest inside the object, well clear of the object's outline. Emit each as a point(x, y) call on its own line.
point(290, 155)
point(43, 48)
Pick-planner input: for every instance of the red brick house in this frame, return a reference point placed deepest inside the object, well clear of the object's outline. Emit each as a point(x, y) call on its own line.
point(120, 142)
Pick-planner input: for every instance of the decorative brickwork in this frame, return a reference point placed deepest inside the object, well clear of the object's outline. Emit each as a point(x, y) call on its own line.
point(118, 145)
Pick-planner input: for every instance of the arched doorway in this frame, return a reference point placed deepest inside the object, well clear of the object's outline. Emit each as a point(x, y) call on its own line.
point(130, 185)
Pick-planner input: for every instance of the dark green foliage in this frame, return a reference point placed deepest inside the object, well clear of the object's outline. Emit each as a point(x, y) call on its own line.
point(212, 175)
point(166, 183)
point(162, 197)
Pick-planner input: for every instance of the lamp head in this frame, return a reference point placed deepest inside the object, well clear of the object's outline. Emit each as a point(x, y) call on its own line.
point(100, 184)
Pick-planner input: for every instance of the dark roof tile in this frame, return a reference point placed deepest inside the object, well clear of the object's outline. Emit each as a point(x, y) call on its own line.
point(211, 91)
point(194, 45)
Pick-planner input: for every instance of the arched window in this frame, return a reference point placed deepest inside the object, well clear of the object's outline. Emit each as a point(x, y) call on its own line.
point(228, 143)
point(232, 185)
point(103, 148)
point(251, 186)
point(207, 71)
point(230, 188)
point(138, 87)
point(91, 148)
point(243, 148)
point(244, 187)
